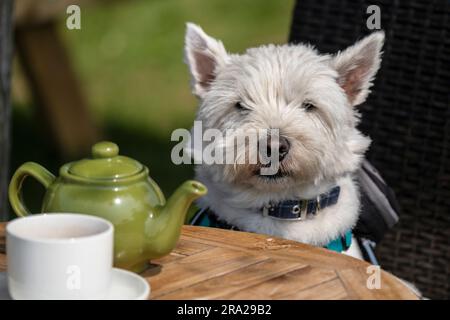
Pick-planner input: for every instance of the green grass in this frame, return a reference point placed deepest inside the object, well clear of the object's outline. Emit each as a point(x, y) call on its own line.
point(129, 54)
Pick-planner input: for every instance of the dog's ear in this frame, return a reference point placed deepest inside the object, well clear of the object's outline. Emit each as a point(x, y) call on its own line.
point(357, 66)
point(202, 54)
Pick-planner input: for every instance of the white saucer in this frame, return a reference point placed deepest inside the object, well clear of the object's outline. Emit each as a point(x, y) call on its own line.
point(125, 285)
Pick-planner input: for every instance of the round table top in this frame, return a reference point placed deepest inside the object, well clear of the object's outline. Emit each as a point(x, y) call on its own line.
point(211, 263)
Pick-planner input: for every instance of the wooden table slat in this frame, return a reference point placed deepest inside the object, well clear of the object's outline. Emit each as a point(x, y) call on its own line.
point(200, 267)
point(268, 245)
point(236, 281)
point(329, 290)
point(286, 284)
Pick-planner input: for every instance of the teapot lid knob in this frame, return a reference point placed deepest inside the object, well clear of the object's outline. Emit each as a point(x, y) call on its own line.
point(106, 165)
point(105, 149)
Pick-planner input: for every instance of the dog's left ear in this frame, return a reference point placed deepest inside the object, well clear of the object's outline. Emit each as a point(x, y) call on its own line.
point(203, 54)
point(357, 66)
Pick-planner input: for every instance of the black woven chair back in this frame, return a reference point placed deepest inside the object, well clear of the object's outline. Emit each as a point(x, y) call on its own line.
point(407, 116)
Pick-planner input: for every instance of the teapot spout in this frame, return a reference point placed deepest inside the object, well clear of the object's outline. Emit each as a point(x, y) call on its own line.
point(171, 216)
point(178, 204)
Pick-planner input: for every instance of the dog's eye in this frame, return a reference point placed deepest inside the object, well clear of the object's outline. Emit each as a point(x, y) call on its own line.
point(308, 106)
point(239, 106)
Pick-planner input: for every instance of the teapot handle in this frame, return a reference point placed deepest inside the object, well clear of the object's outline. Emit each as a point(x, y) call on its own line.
point(27, 169)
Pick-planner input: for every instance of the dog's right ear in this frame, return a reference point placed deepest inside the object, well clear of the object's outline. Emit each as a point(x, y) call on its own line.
point(202, 54)
point(357, 66)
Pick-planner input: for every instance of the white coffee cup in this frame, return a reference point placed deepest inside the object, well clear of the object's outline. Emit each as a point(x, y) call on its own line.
point(59, 256)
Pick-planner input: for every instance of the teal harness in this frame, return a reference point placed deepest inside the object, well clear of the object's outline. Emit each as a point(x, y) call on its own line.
point(340, 244)
point(205, 218)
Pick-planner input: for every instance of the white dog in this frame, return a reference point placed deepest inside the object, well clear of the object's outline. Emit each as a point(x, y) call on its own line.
point(311, 99)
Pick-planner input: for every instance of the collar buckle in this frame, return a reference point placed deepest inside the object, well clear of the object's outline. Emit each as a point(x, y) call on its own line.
point(298, 212)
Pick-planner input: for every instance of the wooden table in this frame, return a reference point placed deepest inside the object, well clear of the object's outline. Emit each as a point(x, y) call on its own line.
point(220, 264)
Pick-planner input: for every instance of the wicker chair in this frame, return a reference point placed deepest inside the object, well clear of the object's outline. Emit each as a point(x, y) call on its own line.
point(408, 117)
point(5, 105)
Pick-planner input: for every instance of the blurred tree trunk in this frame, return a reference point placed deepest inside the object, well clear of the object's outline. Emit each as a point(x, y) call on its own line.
point(5, 107)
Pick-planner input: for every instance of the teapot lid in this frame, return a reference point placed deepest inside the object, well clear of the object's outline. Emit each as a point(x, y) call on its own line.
point(106, 164)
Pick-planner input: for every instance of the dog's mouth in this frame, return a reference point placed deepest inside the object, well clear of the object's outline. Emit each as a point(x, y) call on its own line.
point(272, 177)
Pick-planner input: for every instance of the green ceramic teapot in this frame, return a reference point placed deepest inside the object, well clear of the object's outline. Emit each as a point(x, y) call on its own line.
point(120, 190)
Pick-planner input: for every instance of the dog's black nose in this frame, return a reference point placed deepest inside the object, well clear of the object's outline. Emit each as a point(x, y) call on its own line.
point(283, 146)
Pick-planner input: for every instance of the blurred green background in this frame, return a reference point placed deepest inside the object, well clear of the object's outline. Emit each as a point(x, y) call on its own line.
point(129, 58)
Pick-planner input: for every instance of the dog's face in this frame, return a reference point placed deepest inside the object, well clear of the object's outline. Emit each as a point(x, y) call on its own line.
point(310, 98)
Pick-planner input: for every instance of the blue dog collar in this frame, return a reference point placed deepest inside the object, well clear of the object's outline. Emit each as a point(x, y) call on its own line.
point(302, 208)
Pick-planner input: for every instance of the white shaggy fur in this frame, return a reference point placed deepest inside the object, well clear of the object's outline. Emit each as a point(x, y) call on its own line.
point(274, 83)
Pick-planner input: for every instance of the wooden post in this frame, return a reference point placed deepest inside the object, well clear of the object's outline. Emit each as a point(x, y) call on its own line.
point(56, 88)
point(5, 107)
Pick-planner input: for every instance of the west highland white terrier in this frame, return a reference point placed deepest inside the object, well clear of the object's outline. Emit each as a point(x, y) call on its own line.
point(311, 99)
